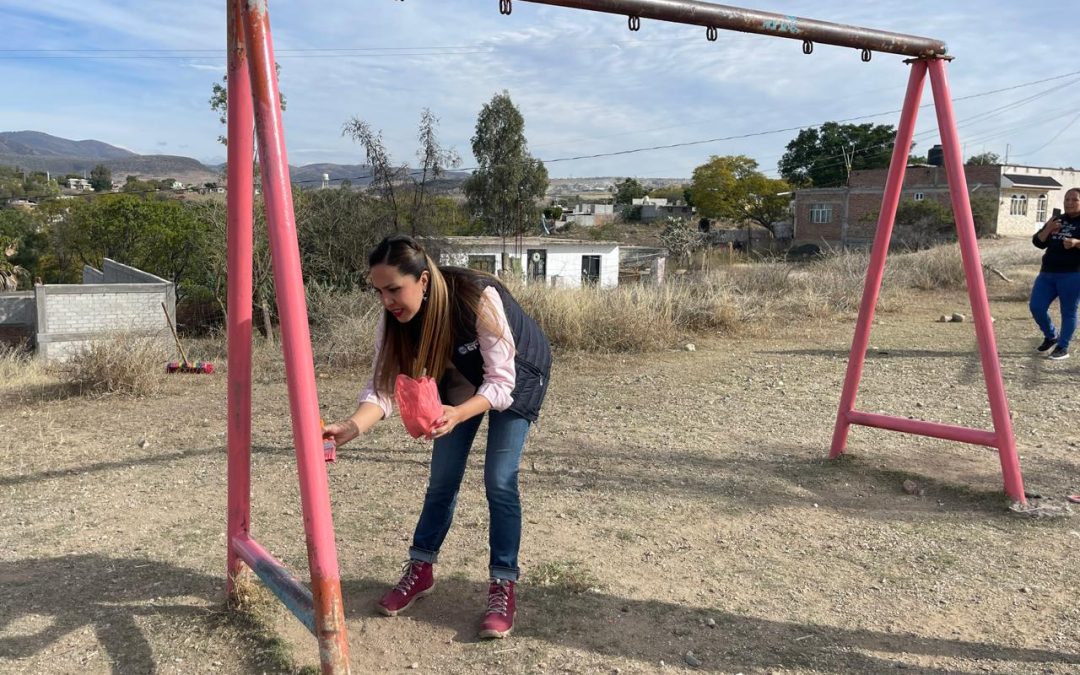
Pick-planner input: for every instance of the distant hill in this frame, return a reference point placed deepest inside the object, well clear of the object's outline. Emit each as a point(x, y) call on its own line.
point(38, 144)
point(37, 151)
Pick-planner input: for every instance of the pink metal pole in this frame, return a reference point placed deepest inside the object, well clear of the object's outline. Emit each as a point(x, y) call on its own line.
point(296, 341)
point(980, 306)
point(876, 269)
point(238, 319)
point(949, 432)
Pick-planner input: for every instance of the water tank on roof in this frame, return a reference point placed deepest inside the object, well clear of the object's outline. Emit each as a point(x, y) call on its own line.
point(935, 156)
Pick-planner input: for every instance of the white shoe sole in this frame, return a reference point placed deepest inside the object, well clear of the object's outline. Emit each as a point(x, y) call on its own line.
point(390, 612)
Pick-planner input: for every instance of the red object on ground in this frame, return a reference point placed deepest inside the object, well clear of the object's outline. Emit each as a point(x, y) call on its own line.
point(201, 367)
point(418, 401)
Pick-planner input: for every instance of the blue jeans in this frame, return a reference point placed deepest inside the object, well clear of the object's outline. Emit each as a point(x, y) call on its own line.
point(1065, 286)
point(506, 438)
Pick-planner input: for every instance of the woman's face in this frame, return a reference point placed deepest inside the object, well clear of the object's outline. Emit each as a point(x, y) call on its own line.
point(402, 294)
point(1072, 202)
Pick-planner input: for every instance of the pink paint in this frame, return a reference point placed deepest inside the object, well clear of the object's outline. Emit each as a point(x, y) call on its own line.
point(1002, 436)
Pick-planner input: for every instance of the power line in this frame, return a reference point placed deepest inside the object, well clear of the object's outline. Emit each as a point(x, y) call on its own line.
point(977, 117)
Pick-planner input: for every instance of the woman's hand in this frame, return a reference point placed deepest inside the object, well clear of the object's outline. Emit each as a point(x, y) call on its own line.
point(451, 417)
point(1049, 228)
point(1070, 243)
point(341, 432)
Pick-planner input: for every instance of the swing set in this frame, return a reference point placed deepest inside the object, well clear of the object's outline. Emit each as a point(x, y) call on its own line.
point(254, 116)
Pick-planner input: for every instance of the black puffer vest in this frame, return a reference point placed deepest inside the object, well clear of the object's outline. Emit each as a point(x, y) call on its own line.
point(532, 360)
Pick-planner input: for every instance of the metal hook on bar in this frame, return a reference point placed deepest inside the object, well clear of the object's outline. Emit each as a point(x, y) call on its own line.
point(865, 55)
point(506, 7)
point(634, 22)
point(710, 33)
point(807, 47)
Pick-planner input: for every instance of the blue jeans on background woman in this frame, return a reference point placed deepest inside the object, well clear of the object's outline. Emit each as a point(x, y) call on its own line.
point(506, 438)
point(1065, 287)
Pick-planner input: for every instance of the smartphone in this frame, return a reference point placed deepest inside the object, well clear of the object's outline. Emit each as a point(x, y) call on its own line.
point(1056, 214)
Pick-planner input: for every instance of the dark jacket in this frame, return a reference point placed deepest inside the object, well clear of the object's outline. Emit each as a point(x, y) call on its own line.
point(1058, 258)
point(533, 352)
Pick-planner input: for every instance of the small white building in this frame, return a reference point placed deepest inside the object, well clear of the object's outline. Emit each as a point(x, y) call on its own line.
point(590, 215)
point(561, 263)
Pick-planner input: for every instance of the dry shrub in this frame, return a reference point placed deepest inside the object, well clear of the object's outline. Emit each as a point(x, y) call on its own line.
point(19, 368)
point(935, 268)
point(342, 326)
point(127, 364)
point(628, 319)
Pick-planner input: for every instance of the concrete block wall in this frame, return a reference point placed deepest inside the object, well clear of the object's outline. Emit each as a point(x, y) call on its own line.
point(17, 316)
point(118, 298)
point(71, 316)
point(92, 276)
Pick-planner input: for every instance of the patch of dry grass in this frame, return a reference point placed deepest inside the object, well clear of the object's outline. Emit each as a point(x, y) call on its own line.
point(342, 326)
point(126, 364)
point(19, 368)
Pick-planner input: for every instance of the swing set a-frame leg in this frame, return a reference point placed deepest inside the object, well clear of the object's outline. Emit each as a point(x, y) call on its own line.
point(1002, 435)
point(254, 104)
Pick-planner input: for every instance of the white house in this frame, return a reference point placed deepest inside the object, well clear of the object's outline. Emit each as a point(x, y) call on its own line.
point(655, 208)
point(590, 215)
point(563, 263)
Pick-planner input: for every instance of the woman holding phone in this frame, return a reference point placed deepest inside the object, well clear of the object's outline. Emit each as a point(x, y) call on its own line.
point(1059, 276)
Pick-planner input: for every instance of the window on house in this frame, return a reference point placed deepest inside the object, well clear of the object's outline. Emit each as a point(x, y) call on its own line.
point(919, 196)
point(590, 269)
point(820, 213)
point(484, 263)
point(1040, 209)
point(1018, 205)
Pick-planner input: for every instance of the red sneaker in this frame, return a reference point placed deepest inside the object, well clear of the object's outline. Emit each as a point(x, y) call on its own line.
point(499, 620)
point(417, 580)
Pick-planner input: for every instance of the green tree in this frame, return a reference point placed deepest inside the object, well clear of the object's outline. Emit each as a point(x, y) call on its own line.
point(628, 190)
point(10, 273)
point(503, 190)
point(20, 230)
point(673, 193)
point(823, 156)
point(336, 229)
point(158, 236)
point(983, 159)
point(219, 100)
point(101, 178)
point(732, 188)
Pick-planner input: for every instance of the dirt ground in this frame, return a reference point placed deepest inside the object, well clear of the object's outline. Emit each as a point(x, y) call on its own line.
point(680, 514)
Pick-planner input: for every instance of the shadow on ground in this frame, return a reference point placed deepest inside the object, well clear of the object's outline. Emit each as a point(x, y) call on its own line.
point(117, 598)
point(650, 630)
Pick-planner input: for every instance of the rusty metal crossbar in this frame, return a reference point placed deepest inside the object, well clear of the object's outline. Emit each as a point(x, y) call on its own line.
point(713, 17)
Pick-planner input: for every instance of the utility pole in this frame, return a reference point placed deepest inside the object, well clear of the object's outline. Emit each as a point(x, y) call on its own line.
point(848, 157)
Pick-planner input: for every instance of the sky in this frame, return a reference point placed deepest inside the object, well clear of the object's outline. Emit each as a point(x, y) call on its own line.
point(138, 74)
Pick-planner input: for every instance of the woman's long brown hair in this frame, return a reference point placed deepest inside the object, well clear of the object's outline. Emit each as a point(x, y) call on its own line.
point(423, 345)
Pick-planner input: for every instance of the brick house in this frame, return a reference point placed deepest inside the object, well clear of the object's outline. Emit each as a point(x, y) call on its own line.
point(842, 216)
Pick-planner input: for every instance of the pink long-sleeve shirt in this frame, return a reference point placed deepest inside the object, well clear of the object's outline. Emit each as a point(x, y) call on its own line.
point(496, 347)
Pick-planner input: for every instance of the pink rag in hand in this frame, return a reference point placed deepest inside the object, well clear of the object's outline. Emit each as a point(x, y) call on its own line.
point(418, 401)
